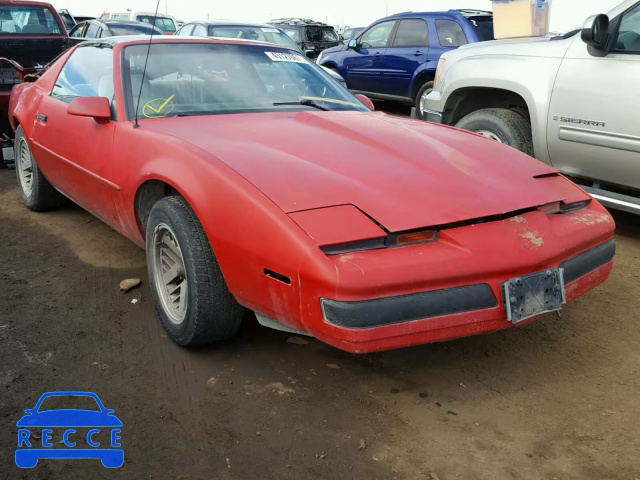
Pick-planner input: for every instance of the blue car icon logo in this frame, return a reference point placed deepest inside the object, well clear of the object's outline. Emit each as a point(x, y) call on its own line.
point(98, 429)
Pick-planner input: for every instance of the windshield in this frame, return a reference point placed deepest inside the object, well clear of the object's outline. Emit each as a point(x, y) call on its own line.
point(260, 34)
point(315, 34)
point(206, 79)
point(483, 27)
point(163, 23)
point(351, 32)
point(293, 33)
point(28, 20)
point(117, 30)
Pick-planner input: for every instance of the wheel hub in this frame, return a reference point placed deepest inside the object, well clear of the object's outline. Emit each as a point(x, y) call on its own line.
point(490, 135)
point(170, 274)
point(25, 167)
point(423, 101)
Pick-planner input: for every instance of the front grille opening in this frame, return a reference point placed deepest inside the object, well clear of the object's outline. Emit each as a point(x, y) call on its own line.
point(277, 276)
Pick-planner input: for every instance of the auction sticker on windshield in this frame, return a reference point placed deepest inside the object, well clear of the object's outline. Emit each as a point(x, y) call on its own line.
point(285, 57)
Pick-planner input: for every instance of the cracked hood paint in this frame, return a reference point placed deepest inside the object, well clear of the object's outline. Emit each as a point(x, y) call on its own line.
point(403, 173)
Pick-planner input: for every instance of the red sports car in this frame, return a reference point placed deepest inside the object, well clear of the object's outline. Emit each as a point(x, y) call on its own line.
point(256, 181)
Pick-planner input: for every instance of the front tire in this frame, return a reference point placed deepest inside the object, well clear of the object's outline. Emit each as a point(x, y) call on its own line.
point(502, 125)
point(421, 98)
point(36, 191)
point(193, 302)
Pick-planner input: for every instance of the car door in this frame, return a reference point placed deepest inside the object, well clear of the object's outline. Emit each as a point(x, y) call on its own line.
point(407, 51)
point(75, 151)
point(450, 35)
point(362, 64)
point(592, 124)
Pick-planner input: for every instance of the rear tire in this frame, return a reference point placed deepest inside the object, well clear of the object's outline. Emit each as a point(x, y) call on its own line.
point(503, 125)
point(36, 191)
point(425, 90)
point(193, 302)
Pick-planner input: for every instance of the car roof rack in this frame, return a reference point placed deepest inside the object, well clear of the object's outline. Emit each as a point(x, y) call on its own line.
point(471, 11)
point(296, 21)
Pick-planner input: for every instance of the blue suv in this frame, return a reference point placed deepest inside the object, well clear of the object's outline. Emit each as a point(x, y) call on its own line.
point(396, 57)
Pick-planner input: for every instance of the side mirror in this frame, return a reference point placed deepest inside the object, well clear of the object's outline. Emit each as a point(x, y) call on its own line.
point(310, 53)
point(366, 100)
point(353, 43)
point(109, 411)
point(595, 32)
point(95, 107)
point(29, 411)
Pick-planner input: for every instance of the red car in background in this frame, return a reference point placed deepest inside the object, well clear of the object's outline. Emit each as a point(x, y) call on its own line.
point(31, 35)
point(255, 181)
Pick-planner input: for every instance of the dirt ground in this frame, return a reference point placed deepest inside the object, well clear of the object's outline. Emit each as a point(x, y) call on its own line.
point(557, 399)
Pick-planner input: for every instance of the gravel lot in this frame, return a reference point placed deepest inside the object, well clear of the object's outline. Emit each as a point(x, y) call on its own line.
point(555, 399)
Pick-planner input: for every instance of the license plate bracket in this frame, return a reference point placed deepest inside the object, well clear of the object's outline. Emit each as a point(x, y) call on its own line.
point(532, 295)
point(7, 154)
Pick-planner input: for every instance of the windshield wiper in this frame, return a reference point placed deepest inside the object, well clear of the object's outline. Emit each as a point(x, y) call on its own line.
point(305, 102)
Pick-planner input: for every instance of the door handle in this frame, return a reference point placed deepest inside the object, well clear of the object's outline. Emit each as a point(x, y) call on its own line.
point(377, 54)
point(42, 118)
point(418, 53)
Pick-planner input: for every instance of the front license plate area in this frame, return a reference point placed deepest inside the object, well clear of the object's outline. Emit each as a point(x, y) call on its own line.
point(535, 294)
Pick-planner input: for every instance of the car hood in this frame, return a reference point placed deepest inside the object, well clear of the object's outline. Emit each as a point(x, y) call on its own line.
point(403, 173)
point(530, 46)
point(69, 418)
point(339, 48)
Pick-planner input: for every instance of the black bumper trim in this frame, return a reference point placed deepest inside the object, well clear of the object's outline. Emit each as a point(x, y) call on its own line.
point(588, 261)
point(406, 308)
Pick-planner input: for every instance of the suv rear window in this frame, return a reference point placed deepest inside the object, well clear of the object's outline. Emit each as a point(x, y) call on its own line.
point(483, 27)
point(28, 21)
point(318, 34)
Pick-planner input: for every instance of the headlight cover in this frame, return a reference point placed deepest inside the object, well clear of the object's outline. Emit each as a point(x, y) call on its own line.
point(439, 70)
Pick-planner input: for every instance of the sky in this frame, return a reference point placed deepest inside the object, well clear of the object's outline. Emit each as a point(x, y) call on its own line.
point(566, 14)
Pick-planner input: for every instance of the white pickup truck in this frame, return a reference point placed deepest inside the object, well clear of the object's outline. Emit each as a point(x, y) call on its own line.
point(572, 101)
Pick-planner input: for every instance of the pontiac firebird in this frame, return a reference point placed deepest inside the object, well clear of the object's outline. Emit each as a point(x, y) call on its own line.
point(256, 182)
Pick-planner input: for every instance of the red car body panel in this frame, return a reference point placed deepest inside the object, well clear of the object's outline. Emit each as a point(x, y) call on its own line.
point(271, 188)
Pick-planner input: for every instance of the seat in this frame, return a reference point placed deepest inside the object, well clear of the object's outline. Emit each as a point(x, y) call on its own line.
point(34, 26)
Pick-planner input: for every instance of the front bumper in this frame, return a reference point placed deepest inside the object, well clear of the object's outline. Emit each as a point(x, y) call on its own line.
point(434, 108)
point(433, 117)
point(453, 301)
point(394, 298)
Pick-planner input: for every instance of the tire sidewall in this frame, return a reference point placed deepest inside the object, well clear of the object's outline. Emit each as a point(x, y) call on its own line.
point(494, 126)
point(183, 332)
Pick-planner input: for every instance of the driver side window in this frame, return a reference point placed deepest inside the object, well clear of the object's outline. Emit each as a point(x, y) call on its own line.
point(88, 73)
point(378, 35)
point(628, 40)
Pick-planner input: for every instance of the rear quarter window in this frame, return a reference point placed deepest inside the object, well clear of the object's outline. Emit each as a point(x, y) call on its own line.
point(450, 33)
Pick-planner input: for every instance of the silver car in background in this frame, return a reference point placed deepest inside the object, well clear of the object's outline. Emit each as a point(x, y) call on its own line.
point(572, 101)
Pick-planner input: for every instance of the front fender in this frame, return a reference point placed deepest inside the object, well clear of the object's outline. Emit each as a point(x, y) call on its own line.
point(530, 77)
point(247, 231)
